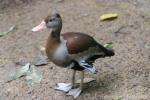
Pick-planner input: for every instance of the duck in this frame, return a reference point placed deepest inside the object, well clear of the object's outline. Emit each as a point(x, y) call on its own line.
point(72, 50)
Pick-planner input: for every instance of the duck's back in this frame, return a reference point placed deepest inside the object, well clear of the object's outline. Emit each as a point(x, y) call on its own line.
point(78, 42)
point(81, 45)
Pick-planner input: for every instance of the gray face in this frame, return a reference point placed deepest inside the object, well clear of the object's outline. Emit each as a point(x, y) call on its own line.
point(54, 21)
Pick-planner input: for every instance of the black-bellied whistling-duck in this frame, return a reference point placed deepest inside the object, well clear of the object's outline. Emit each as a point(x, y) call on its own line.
point(72, 50)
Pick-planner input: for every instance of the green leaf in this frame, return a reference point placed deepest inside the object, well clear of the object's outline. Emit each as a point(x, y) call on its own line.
point(109, 45)
point(147, 45)
point(33, 76)
point(6, 32)
point(117, 98)
point(21, 71)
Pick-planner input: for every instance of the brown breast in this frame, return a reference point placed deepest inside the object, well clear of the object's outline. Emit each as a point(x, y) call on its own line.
point(52, 44)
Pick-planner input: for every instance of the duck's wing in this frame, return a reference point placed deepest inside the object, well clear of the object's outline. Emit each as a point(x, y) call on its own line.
point(78, 42)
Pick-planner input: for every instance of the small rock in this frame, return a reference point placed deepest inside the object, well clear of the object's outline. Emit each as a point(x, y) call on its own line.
point(29, 92)
point(19, 63)
point(9, 90)
point(85, 15)
point(86, 80)
point(147, 45)
point(33, 97)
point(51, 68)
point(40, 60)
point(58, 1)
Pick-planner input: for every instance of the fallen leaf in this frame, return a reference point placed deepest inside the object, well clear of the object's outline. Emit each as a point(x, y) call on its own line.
point(86, 80)
point(40, 60)
point(21, 62)
point(108, 16)
point(59, 1)
point(42, 48)
point(147, 45)
point(10, 29)
point(33, 76)
point(118, 98)
point(109, 45)
point(21, 71)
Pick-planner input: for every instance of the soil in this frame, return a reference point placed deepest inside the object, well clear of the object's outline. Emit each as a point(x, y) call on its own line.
point(125, 76)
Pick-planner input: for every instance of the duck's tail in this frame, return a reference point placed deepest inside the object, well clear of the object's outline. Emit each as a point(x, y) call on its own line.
point(107, 52)
point(110, 52)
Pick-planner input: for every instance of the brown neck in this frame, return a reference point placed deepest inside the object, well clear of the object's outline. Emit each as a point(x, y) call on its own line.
point(55, 34)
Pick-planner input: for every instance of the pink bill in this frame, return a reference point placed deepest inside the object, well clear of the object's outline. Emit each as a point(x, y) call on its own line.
point(40, 27)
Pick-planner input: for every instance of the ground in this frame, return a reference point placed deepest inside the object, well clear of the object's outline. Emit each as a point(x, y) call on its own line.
point(125, 75)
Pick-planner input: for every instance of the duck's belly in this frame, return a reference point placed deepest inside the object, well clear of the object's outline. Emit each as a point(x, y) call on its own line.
point(61, 56)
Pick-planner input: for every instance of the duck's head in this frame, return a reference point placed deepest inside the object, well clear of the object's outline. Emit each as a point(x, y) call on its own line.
point(51, 21)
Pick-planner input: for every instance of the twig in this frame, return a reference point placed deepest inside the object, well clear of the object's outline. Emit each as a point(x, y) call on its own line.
point(119, 29)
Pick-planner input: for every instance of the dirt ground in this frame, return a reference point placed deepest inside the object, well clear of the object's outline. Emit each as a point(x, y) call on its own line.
point(126, 75)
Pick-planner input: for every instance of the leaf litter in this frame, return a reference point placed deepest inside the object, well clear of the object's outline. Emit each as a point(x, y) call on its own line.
point(9, 30)
point(33, 76)
point(40, 60)
point(109, 45)
point(86, 80)
point(108, 16)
